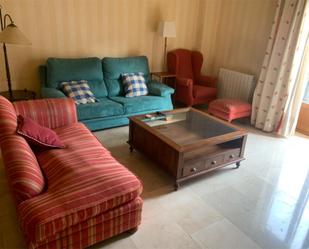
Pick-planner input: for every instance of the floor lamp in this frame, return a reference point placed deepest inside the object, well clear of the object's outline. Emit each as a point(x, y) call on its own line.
point(10, 34)
point(166, 30)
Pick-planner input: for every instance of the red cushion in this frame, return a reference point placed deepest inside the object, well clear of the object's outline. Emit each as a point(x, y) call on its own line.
point(37, 134)
point(203, 92)
point(230, 105)
point(229, 109)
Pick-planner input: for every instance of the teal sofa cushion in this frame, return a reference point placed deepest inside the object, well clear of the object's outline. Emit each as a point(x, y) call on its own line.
point(114, 67)
point(144, 103)
point(90, 69)
point(104, 108)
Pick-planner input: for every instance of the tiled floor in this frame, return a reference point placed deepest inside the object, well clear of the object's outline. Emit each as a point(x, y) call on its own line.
point(263, 204)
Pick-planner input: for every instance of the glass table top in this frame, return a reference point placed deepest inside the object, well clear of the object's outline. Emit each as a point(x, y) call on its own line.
point(187, 126)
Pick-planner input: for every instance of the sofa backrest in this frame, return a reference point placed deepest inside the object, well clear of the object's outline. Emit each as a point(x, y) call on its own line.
point(51, 113)
point(114, 67)
point(61, 69)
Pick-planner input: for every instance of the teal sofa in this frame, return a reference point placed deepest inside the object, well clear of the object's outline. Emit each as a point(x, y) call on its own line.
point(104, 79)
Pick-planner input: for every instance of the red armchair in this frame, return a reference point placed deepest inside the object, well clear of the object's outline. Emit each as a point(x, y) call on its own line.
point(192, 88)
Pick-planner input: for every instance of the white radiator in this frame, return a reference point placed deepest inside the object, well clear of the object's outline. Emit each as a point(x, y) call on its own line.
point(235, 85)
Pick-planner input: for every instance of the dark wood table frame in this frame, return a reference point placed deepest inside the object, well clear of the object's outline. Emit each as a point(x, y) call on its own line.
point(190, 160)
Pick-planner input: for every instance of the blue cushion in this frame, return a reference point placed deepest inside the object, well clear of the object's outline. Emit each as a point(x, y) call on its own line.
point(144, 103)
point(101, 109)
point(134, 84)
point(114, 67)
point(90, 69)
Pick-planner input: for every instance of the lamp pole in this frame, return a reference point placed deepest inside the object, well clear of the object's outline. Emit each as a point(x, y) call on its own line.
point(165, 48)
point(7, 66)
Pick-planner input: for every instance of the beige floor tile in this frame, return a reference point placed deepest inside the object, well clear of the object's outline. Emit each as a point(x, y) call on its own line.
point(162, 232)
point(121, 241)
point(224, 235)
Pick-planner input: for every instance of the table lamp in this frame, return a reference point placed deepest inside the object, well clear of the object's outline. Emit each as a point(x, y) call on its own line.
point(10, 34)
point(166, 30)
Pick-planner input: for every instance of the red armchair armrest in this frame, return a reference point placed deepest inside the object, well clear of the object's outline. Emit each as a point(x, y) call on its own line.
point(209, 81)
point(184, 82)
point(184, 90)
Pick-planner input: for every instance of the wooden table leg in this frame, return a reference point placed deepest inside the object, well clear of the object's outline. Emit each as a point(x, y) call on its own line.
point(131, 148)
point(176, 186)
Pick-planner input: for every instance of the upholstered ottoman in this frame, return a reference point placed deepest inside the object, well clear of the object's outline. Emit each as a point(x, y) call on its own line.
point(229, 109)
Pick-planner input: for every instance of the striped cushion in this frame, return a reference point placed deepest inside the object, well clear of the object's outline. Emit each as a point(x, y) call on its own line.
point(8, 118)
point(84, 181)
point(96, 229)
point(24, 173)
point(51, 113)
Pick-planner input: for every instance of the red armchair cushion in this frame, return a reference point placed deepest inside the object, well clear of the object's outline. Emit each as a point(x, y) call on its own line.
point(37, 134)
point(204, 92)
point(229, 109)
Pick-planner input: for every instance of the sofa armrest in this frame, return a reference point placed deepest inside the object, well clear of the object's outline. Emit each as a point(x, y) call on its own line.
point(51, 113)
point(51, 93)
point(159, 89)
point(209, 81)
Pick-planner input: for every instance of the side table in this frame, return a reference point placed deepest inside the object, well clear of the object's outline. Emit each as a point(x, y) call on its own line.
point(18, 95)
point(164, 77)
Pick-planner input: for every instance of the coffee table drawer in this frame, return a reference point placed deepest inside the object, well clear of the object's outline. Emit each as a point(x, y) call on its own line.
point(232, 155)
point(194, 168)
point(203, 164)
point(214, 162)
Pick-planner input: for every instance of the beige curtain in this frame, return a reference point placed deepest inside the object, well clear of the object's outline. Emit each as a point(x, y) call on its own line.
point(290, 115)
point(279, 81)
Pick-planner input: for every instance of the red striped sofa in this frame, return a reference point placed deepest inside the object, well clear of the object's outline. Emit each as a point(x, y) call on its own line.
point(66, 198)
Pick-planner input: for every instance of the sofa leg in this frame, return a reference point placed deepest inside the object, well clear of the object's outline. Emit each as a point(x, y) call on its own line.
point(133, 230)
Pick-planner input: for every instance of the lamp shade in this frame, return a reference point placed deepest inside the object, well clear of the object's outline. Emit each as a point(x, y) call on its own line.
point(12, 35)
point(167, 29)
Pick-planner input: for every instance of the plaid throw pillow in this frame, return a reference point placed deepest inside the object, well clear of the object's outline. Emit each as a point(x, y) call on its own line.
point(134, 84)
point(79, 91)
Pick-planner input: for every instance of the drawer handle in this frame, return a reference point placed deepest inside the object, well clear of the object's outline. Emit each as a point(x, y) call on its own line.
point(232, 156)
point(213, 162)
point(193, 170)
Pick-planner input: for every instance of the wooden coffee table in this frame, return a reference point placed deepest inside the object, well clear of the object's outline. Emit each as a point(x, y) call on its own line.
point(187, 142)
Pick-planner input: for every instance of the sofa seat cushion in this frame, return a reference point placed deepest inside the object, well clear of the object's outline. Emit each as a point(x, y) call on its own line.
point(202, 92)
point(104, 108)
point(84, 180)
point(141, 103)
